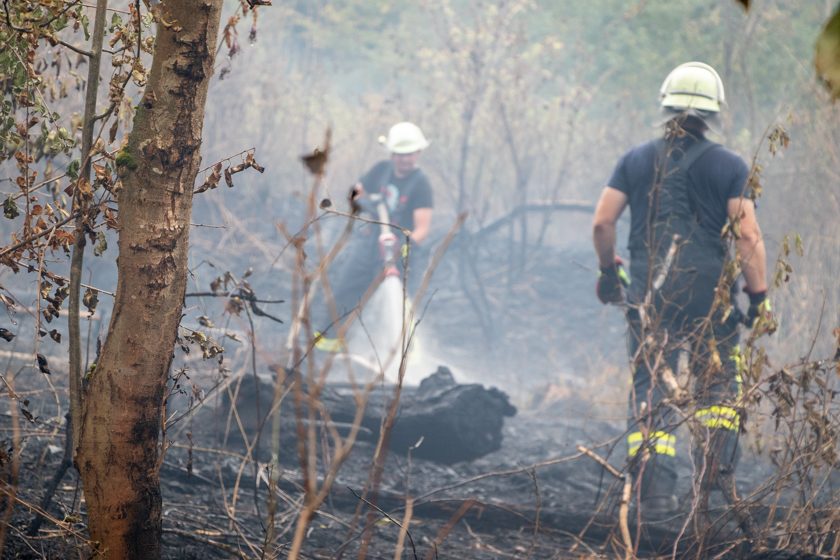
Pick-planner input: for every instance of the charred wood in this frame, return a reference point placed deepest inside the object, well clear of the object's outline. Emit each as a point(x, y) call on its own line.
point(441, 420)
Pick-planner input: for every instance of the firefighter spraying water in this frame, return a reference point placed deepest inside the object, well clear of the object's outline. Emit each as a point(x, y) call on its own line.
point(387, 315)
point(386, 258)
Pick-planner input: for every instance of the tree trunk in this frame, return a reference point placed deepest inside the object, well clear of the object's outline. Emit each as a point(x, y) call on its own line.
point(119, 451)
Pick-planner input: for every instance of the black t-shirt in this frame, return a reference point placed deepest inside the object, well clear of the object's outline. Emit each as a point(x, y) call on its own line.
point(717, 176)
point(402, 195)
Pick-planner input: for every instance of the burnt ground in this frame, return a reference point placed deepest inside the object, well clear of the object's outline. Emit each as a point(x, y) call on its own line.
point(545, 342)
point(535, 497)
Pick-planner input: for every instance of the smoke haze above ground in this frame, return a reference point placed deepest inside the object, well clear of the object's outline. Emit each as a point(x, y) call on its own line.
point(528, 104)
point(524, 102)
point(571, 101)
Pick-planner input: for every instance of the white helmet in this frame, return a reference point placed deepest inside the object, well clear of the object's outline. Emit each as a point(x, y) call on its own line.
point(404, 138)
point(692, 87)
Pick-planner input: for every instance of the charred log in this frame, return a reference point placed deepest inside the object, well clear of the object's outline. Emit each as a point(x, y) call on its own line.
point(441, 420)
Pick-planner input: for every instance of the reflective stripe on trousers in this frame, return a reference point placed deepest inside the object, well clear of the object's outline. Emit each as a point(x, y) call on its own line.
point(659, 442)
point(719, 416)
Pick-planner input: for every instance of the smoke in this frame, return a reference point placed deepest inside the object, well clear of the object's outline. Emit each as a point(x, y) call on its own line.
point(384, 334)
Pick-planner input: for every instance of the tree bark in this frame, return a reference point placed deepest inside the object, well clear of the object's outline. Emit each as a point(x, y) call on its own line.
point(119, 450)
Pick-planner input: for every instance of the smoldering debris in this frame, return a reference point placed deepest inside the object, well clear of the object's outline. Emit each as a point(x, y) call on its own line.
point(441, 420)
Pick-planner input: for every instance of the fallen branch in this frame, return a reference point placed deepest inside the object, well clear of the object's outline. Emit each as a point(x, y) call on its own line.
point(624, 505)
point(573, 205)
point(601, 461)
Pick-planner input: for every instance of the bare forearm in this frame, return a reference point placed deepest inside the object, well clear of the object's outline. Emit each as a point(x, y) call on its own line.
point(752, 257)
point(607, 211)
point(422, 225)
point(603, 237)
point(419, 235)
point(749, 244)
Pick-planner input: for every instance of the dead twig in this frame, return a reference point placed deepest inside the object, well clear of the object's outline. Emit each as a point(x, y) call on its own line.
point(601, 461)
point(66, 463)
point(542, 464)
point(447, 528)
point(624, 505)
point(198, 537)
point(533, 475)
point(409, 511)
point(403, 526)
point(10, 487)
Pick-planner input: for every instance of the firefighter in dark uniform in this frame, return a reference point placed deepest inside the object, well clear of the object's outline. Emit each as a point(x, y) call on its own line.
point(682, 190)
point(404, 189)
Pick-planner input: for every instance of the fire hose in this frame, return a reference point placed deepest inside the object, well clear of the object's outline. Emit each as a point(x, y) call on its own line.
point(374, 204)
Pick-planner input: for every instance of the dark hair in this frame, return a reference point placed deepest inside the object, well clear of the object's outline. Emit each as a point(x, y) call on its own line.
point(694, 123)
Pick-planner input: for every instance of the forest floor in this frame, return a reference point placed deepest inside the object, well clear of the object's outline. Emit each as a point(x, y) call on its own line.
point(556, 352)
point(536, 497)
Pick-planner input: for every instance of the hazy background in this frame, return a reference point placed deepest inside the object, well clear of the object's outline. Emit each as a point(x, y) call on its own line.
point(524, 102)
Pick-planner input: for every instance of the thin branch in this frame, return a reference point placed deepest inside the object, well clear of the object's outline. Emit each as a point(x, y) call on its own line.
point(76, 49)
point(601, 461)
point(37, 236)
point(45, 182)
point(494, 474)
point(116, 11)
point(229, 158)
point(63, 525)
point(9, 19)
point(232, 293)
point(388, 517)
point(77, 258)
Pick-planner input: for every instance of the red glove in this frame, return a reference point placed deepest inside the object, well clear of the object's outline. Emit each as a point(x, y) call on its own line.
point(611, 283)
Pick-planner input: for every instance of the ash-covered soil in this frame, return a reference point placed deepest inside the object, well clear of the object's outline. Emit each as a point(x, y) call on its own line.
point(537, 496)
point(544, 340)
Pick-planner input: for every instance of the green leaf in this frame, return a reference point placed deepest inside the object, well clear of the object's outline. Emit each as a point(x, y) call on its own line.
point(10, 209)
point(116, 22)
point(101, 244)
point(73, 169)
point(86, 27)
point(827, 55)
